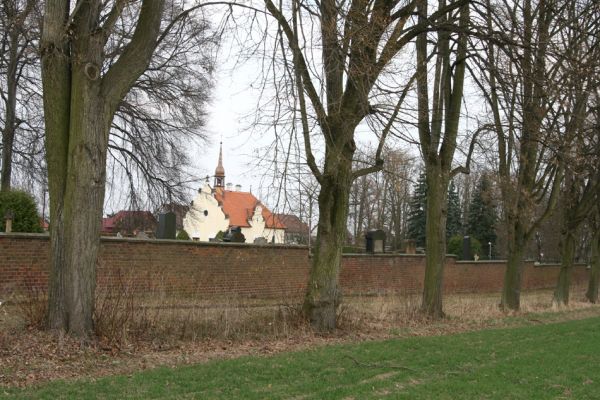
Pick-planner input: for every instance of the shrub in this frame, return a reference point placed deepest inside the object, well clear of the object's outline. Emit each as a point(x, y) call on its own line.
point(25, 216)
point(219, 236)
point(183, 235)
point(455, 246)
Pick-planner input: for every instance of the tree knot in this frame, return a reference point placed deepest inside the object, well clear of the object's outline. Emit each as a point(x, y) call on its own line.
point(92, 71)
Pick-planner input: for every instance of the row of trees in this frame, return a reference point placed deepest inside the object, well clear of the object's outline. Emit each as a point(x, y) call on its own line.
point(399, 70)
point(393, 68)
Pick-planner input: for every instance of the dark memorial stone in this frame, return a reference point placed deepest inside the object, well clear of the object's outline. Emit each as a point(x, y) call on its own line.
point(166, 226)
point(375, 241)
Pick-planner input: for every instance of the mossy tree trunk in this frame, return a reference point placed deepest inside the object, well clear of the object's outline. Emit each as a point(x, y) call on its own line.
point(517, 239)
point(592, 292)
point(10, 107)
point(567, 256)
point(79, 103)
point(323, 295)
point(435, 228)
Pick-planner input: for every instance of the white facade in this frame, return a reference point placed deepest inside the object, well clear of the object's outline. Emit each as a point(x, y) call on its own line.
point(205, 217)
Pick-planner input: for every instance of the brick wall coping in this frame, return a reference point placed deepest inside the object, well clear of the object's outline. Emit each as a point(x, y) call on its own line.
point(46, 236)
point(544, 265)
point(481, 261)
point(20, 235)
point(371, 255)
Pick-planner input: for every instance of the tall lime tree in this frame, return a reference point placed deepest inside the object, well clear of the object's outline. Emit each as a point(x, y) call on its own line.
point(439, 103)
point(335, 56)
point(531, 110)
point(81, 95)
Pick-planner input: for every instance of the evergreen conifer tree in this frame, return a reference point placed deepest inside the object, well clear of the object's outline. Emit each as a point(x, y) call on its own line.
point(416, 216)
point(454, 221)
point(483, 217)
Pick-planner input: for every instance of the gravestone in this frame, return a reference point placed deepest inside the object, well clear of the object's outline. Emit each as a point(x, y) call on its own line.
point(375, 241)
point(167, 226)
point(410, 246)
point(466, 253)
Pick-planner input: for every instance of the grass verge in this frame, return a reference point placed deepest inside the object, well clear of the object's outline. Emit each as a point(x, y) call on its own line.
point(540, 361)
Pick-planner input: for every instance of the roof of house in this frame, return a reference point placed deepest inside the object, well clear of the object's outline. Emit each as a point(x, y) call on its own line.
point(109, 223)
point(239, 208)
point(293, 224)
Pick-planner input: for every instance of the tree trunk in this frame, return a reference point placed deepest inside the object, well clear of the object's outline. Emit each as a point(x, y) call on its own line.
point(435, 253)
point(511, 291)
point(8, 135)
point(323, 293)
point(77, 217)
point(592, 292)
point(79, 103)
point(8, 132)
point(561, 294)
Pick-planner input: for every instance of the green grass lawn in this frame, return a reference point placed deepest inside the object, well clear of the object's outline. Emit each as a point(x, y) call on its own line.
point(536, 362)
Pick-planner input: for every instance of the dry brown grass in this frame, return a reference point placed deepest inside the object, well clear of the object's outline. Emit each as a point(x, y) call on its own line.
point(141, 332)
point(464, 311)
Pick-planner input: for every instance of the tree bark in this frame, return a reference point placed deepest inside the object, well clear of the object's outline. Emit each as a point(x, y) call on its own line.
point(8, 132)
point(437, 207)
point(511, 290)
point(79, 104)
point(438, 131)
point(561, 294)
point(323, 294)
point(592, 291)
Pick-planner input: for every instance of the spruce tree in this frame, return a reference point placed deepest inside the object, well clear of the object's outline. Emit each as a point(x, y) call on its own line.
point(416, 216)
point(483, 217)
point(453, 221)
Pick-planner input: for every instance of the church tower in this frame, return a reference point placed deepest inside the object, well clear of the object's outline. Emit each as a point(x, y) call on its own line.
point(220, 171)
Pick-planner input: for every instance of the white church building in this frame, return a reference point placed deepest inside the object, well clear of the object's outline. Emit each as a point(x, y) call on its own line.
point(218, 208)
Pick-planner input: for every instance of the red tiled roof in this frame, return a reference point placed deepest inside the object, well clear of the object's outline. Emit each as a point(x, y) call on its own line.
point(109, 223)
point(239, 207)
point(293, 224)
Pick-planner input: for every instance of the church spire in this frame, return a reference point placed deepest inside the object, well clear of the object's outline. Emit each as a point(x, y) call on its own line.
point(220, 171)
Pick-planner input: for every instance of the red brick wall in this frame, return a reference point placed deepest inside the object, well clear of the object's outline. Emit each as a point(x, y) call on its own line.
point(207, 269)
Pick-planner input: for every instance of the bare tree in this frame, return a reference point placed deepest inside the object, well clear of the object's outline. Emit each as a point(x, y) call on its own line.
point(163, 113)
point(148, 159)
point(438, 122)
point(521, 82)
point(381, 200)
point(579, 139)
point(80, 100)
point(19, 85)
point(335, 91)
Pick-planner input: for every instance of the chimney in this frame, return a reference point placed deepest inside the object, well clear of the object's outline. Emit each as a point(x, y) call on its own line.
point(229, 186)
point(238, 188)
